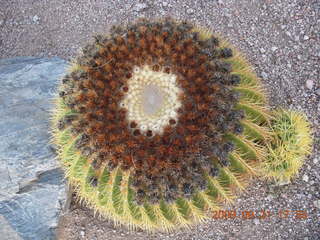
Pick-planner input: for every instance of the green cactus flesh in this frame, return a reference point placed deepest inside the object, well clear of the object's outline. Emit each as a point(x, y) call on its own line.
point(291, 143)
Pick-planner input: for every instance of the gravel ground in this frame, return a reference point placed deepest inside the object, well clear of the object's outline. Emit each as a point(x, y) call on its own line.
point(280, 38)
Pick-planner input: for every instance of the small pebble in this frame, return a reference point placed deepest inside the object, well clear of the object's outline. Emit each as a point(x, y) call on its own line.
point(82, 233)
point(316, 203)
point(190, 11)
point(35, 19)
point(269, 197)
point(306, 37)
point(309, 84)
point(264, 75)
point(262, 50)
point(315, 161)
point(318, 91)
point(283, 183)
point(140, 6)
point(305, 178)
point(274, 49)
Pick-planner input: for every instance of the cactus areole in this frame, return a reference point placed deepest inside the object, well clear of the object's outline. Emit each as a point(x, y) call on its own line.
point(150, 122)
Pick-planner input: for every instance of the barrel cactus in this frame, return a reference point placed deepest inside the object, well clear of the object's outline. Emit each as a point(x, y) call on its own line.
point(291, 143)
point(160, 122)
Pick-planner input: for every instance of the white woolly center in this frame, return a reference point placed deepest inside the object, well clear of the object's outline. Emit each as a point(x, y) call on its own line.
point(152, 99)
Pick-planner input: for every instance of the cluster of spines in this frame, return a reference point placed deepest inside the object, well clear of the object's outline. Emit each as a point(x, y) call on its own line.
point(291, 144)
point(179, 212)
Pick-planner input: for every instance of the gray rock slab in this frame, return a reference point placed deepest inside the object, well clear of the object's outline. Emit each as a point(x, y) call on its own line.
point(7, 233)
point(32, 188)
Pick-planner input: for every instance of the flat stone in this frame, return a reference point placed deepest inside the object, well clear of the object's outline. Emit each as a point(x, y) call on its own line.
point(7, 233)
point(32, 189)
